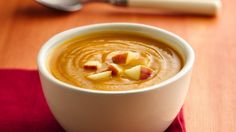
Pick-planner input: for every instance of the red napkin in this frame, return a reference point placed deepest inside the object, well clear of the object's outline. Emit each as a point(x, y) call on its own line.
point(24, 109)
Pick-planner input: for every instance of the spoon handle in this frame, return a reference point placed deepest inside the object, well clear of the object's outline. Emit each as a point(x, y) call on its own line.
point(203, 7)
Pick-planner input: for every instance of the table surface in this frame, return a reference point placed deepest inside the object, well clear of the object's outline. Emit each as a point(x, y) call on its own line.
point(210, 103)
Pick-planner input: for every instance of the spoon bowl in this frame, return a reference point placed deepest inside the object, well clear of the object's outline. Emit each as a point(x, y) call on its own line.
point(66, 5)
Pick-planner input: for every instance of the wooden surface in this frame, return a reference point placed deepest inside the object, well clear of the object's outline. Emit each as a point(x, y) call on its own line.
point(211, 102)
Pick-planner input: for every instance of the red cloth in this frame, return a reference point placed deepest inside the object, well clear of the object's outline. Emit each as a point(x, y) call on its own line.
point(23, 107)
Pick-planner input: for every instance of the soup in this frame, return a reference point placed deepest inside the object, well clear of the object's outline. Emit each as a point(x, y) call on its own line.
point(113, 61)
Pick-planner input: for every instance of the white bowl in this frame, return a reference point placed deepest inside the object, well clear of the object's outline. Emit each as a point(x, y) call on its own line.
point(150, 109)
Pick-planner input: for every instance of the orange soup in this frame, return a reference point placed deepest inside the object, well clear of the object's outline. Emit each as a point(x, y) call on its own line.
point(114, 61)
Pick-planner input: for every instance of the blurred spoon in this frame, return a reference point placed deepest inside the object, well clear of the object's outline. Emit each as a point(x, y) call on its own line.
point(203, 7)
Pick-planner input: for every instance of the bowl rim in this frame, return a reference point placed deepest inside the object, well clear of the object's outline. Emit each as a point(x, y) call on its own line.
point(43, 70)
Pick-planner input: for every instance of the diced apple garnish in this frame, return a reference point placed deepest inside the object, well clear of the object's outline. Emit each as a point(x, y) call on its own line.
point(120, 58)
point(145, 73)
point(132, 56)
point(94, 65)
point(100, 76)
point(139, 72)
point(125, 58)
point(116, 69)
point(134, 72)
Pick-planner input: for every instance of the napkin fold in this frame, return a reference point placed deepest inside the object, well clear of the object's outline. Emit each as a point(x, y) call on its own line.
point(24, 109)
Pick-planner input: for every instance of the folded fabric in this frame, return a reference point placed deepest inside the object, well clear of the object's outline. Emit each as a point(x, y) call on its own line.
point(24, 109)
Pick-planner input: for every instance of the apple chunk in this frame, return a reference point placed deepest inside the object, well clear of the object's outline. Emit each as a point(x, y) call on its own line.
point(125, 58)
point(139, 72)
point(93, 65)
point(139, 61)
point(120, 58)
point(133, 73)
point(116, 69)
point(145, 73)
point(100, 76)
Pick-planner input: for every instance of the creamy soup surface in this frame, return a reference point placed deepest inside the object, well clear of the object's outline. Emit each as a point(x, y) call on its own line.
point(113, 61)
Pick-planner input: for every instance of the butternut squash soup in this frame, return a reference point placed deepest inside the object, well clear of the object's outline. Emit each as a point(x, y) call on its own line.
point(114, 61)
